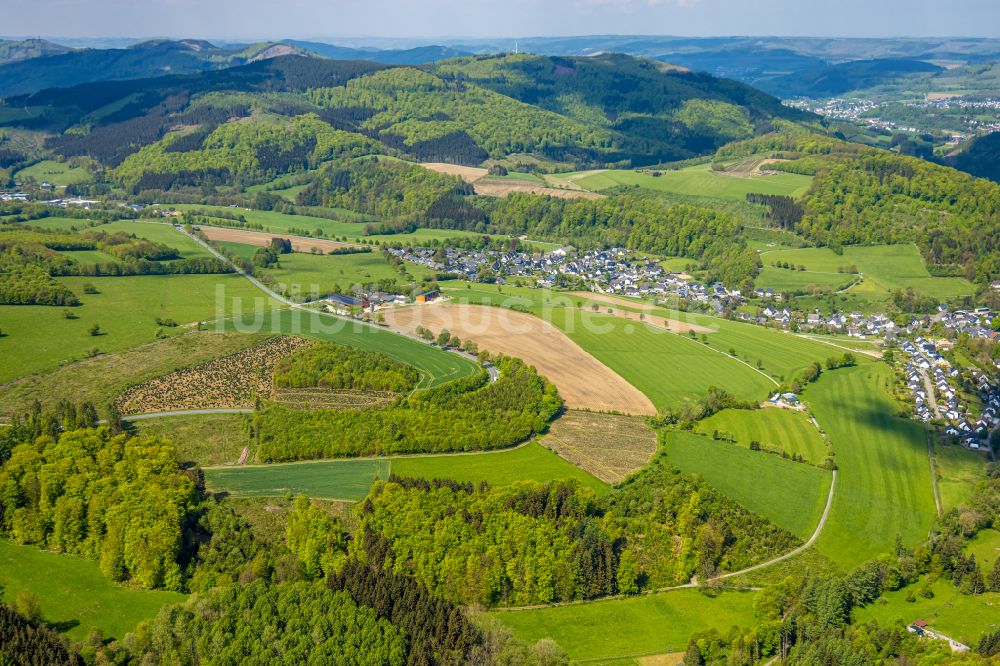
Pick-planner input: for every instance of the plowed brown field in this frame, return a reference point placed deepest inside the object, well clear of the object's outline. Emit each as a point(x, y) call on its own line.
point(583, 381)
point(608, 446)
point(263, 239)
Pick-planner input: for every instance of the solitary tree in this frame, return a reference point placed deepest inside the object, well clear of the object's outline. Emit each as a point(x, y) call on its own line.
point(95, 329)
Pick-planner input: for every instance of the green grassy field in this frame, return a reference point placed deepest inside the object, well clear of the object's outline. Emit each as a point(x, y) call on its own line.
point(668, 368)
point(789, 493)
point(774, 429)
point(73, 593)
point(102, 378)
point(333, 479)
point(38, 337)
point(785, 280)
point(986, 547)
point(205, 439)
point(350, 225)
point(304, 273)
point(885, 268)
point(958, 469)
point(529, 462)
point(698, 180)
point(644, 625)
point(883, 485)
point(154, 231)
point(350, 479)
point(961, 616)
point(57, 173)
point(89, 256)
point(437, 366)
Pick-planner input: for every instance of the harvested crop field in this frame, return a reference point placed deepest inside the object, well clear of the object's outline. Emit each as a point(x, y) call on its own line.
point(263, 239)
point(466, 173)
point(609, 446)
point(501, 188)
point(233, 381)
point(583, 381)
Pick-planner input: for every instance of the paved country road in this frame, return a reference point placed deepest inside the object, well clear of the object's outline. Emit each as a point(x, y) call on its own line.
point(493, 372)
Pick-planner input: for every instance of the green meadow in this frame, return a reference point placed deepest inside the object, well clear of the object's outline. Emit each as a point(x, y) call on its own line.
point(789, 493)
point(333, 480)
point(39, 337)
point(785, 280)
point(73, 594)
point(204, 439)
point(159, 232)
point(350, 479)
point(883, 483)
point(697, 180)
point(670, 369)
point(774, 429)
point(963, 617)
point(884, 267)
point(958, 470)
point(57, 173)
point(780, 354)
point(310, 274)
point(632, 627)
point(349, 225)
point(531, 462)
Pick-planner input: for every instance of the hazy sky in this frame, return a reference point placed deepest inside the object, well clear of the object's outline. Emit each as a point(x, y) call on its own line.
point(272, 19)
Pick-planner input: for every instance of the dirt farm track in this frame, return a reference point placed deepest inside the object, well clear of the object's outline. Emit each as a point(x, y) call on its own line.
point(583, 381)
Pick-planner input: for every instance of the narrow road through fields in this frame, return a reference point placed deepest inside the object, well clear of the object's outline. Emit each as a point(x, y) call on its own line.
point(493, 372)
point(186, 412)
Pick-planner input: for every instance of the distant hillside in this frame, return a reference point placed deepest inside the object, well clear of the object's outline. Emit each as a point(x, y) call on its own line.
point(25, 49)
point(663, 112)
point(838, 79)
point(981, 157)
point(154, 58)
point(607, 110)
point(415, 56)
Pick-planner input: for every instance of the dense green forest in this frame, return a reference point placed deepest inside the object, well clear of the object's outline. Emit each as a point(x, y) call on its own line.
point(538, 543)
point(118, 499)
point(247, 151)
point(287, 623)
point(657, 112)
point(463, 415)
point(25, 640)
point(338, 367)
point(382, 187)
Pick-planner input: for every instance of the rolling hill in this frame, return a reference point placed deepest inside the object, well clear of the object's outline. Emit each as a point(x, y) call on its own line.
point(57, 67)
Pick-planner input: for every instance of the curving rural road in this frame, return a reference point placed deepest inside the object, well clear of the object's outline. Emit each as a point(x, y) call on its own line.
point(493, 372)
